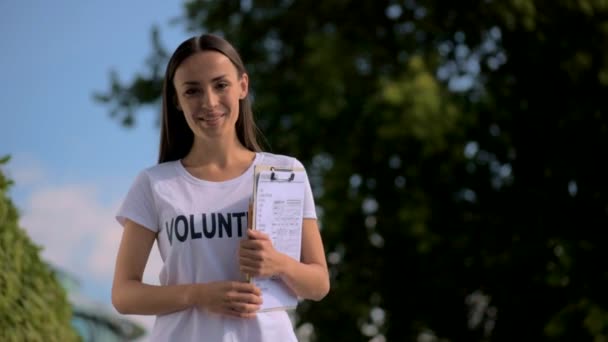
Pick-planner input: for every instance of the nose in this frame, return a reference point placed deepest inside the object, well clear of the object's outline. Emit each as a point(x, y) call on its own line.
point(210, 100)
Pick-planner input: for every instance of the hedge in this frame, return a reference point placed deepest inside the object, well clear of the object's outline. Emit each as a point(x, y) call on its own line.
point(33, 304)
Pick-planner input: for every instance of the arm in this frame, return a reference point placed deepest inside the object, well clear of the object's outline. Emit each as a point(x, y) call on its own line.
point(307, 278)
point(131, 296)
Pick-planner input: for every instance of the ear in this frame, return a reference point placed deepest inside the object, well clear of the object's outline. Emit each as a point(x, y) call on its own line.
point(244, 85)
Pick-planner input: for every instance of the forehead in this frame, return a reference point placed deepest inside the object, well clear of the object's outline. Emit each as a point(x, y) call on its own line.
point(204, 66)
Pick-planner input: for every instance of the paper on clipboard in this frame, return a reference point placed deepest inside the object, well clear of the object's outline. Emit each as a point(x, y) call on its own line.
point(278, 203)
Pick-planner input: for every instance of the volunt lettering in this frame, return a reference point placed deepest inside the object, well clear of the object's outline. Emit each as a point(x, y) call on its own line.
point(206, 225)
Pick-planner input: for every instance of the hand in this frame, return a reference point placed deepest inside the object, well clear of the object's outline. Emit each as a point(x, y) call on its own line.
point(257, 256)
point(231, 298)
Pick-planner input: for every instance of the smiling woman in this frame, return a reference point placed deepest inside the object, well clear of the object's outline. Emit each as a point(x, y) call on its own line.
point(194, 203)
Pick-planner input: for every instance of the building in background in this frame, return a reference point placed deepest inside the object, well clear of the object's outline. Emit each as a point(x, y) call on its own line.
point(94, 321)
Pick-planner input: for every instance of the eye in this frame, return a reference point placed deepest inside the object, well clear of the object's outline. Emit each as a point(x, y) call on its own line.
point(191, 91)
point(222, 85)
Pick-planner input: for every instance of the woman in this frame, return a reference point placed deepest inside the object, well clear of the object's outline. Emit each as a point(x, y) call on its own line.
point(204, 175)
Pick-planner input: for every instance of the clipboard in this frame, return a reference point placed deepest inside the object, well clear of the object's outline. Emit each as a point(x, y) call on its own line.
point(276, 208)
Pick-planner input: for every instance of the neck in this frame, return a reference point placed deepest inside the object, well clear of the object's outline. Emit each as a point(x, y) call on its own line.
point(213, 151)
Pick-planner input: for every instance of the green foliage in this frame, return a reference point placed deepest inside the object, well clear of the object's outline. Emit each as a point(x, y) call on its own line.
point(417, 106)
point(33, 305)
point(456, 144)
point(145, 89)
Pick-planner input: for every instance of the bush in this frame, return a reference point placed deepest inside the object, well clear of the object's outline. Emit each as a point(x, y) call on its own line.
point(33, 304)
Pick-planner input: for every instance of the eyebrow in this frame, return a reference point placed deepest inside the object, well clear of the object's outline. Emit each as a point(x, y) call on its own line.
point(215, 79)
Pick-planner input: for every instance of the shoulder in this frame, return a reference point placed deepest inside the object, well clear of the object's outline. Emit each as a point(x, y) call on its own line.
point(160, 171)
point(279, 160)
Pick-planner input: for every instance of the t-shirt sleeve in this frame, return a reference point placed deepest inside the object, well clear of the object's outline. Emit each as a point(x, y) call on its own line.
point(309, 201)
point(138, 206)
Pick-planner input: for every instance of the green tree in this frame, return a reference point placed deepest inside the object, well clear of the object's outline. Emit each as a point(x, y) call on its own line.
point(33, 305)
point(454, 144)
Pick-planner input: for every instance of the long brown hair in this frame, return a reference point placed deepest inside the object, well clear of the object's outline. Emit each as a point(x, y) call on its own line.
point(176, 138)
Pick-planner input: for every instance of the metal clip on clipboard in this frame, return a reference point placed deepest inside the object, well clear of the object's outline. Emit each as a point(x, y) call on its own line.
point(274, 175)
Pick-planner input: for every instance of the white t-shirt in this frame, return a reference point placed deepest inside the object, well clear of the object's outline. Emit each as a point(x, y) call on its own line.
point(199, 225)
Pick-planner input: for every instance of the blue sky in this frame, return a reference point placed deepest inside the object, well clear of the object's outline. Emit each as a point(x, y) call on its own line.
point(71, 162)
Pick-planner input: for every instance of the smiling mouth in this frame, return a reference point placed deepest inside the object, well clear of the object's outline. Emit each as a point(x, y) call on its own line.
point(211, 120)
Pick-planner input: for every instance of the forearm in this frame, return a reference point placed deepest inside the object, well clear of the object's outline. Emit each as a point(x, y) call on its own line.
point(135, 297)
point(308, 281)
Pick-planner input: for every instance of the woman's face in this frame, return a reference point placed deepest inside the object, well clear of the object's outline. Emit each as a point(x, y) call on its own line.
point(208, 89)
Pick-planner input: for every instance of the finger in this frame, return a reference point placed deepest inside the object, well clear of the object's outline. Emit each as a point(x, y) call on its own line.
point(245, 298)
point(251, 245)
point(257, 293)
point(244, 287)
point(234, 312)
point(243, 310)
point(248, 315)
point(251, 271)
point(252, 294)
point(247, 308)
point(257, 235)
point(250, 262)
point(249, 254)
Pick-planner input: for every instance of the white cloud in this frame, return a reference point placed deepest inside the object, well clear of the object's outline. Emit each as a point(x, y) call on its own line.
point(69, 223)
